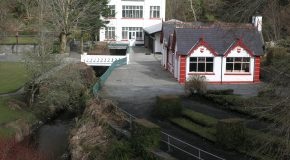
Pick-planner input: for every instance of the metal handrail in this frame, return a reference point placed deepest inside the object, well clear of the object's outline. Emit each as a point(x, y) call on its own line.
point(131, 117)
point(199, 150)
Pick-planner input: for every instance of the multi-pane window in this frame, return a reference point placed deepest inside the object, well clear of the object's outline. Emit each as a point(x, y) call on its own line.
point(201, 64)
point(154, 11)
point(132, 33)
point(112, 10)
point(132, 11)
point(110, 33)
point(237, 64)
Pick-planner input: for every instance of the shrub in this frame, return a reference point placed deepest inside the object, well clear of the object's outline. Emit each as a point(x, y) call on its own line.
point(168, 106)
point(275, 53)
point(196, 85)
point(221, 92)
point(230, 133)
point(145, 136)
point(158, 155)
point(119, 150)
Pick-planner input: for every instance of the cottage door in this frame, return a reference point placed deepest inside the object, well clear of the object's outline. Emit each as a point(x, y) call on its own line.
point(132, 35)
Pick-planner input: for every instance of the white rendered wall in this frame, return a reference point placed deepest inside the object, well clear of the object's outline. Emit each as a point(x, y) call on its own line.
point(157, 44)
point(239, 77)
point(216, 75)
point(118, 22)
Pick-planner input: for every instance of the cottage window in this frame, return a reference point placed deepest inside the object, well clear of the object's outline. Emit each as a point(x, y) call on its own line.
point(154, 11)
point(236, 64)
point(201, 64)
point(138, 31)
point(112, 10)
point(110, 33)
point(132, 11)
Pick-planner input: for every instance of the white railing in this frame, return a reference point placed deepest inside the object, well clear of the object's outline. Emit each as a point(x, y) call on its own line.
point(101, 60)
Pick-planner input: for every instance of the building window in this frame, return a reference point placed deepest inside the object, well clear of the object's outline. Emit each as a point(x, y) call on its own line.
point(112, 10)
point(238, 65)
point(132, 0)
point(132, 33)
point(110, 33)
point(132, 11)
point(154, 11)
point(201, 64)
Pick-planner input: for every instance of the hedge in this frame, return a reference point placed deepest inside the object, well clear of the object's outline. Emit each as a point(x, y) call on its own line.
point(230, 133)
point(207, 133)
point(145, 136)
point(221, 92)
point(199, 118)
point(167, 106)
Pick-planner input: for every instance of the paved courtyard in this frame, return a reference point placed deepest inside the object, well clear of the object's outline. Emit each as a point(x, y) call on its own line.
point(136, 85)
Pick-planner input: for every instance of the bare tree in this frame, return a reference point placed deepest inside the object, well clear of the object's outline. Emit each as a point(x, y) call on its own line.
point(66, 15)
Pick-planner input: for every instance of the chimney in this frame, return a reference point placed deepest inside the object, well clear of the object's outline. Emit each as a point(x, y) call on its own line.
point(257, 22)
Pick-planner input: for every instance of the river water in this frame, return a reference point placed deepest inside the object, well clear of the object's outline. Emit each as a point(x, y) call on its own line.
point(52, 138)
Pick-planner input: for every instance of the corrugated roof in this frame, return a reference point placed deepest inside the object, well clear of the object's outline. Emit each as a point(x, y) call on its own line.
point(153, 29)
point(219, 37)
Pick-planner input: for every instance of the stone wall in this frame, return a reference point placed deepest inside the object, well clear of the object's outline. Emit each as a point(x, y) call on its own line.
point(14, 49)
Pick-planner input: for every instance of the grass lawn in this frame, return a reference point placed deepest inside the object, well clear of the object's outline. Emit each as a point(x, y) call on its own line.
point(9, 115)
point(13, 76)
point(21, 40)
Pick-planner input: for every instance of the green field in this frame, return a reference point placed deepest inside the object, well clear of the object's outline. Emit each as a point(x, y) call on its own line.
point(12, 76)
point(21, 40)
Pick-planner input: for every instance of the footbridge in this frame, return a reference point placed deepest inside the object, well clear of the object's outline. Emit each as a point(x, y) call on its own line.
point(102, 60)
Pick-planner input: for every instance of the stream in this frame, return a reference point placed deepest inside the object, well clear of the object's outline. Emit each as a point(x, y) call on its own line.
point(52, 138)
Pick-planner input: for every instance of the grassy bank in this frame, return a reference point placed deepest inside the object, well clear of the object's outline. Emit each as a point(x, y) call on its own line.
point(10, 111)
point(13, 76)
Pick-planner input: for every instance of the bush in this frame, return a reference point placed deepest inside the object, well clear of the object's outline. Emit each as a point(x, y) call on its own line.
point(145, 136)
point(230, 133)
point(221, 92)
point(119, 150)
point(168, 106)
point(275, 53)
point(196, 85)
point(158, 155)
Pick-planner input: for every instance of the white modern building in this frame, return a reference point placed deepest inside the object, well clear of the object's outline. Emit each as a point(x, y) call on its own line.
point(130, 17)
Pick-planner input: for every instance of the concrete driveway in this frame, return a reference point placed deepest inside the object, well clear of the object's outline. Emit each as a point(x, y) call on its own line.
point(135, 86)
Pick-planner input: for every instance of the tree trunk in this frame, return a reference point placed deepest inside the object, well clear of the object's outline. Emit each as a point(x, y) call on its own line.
point(62, 40)
point(82, 43)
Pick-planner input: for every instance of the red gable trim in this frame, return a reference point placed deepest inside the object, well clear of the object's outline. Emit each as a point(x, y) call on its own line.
point(202, 43)
point(241, 44)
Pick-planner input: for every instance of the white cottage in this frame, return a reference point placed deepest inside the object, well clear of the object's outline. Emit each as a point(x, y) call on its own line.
point(223, 53)
point(131, 16)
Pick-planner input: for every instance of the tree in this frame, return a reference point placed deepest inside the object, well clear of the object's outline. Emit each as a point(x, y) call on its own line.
point(66, 15)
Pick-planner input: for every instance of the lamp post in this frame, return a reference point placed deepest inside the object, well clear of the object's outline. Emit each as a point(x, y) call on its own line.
point(17, 35)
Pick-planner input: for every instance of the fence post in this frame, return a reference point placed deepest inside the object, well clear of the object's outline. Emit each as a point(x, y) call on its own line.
point(130, 122)
point(199, 154)
point(169, 147)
